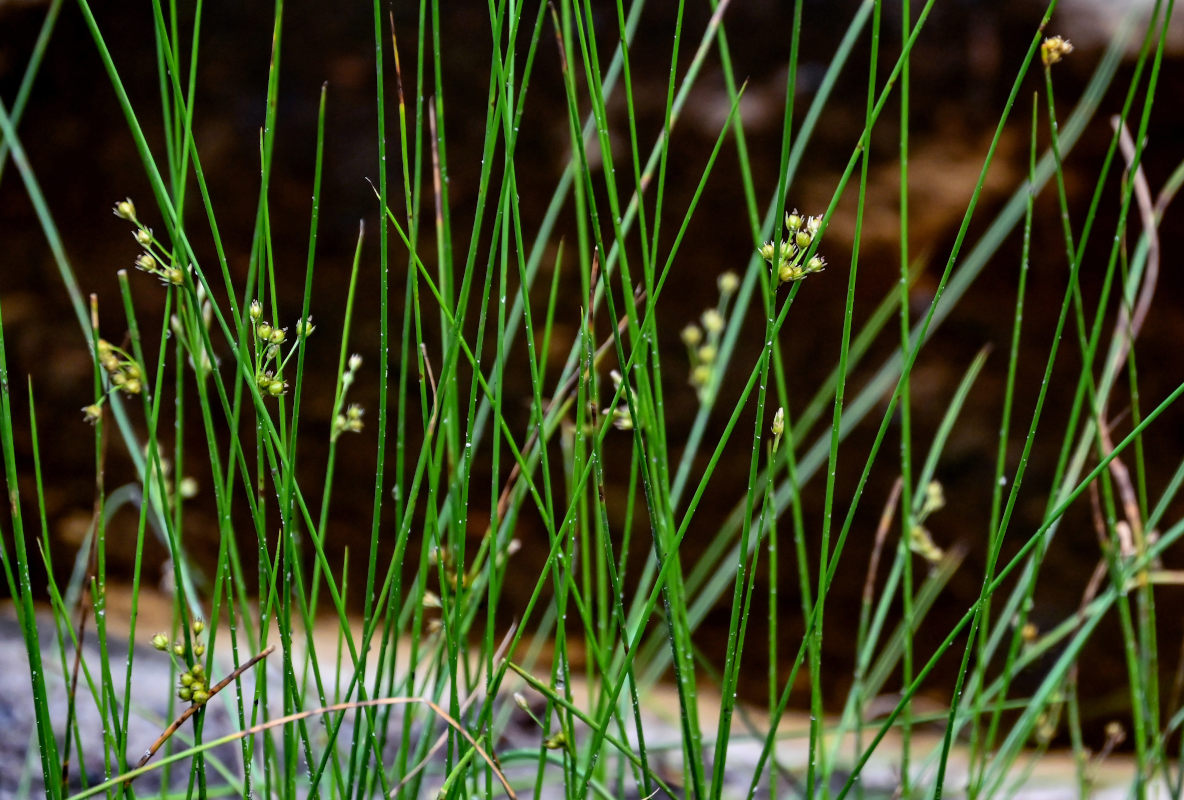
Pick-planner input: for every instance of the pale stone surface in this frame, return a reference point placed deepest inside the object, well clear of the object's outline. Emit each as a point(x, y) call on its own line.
point(1050, 779)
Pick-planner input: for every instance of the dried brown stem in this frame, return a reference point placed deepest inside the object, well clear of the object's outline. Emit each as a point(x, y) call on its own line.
point(194, 708)
point(356, 704)
point(882, 529)
point(398, 66)
point(498, 655)
point(427, 365)
point(1126, 329)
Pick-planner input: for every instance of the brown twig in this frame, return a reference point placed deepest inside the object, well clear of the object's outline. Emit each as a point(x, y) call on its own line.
point(427, 364)
point(356, 704)
point(882, 529)
point(1130, 323)
point(1126, 329)
point(193, 709)
point(398, 69)
point(464, 706)
point(558, 39)
point(437, 178)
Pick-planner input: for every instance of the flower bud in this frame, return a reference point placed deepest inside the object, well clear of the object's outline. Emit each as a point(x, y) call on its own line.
point(1030, 632)
point(125, 209)
point(622, 419)
point(160, 641)
point(713, 321)
point(256, 311)
point(1053, 49)
point(263, 330)
point(935, 498)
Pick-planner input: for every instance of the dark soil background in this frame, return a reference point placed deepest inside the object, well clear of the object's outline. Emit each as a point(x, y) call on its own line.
point(965, 63)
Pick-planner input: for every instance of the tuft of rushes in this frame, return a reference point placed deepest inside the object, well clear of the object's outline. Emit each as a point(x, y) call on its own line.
point(431, 687)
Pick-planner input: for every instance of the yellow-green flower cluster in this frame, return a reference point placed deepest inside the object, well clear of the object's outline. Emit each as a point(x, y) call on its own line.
point(123, 372)
point(193, 685)
point(622, 419)
point(349, 421)
point(778, 427)
point(155, 260)
point(268, 341)
point(920, 540)
point(702, 340)
point(1053, 49)
point(792, 264)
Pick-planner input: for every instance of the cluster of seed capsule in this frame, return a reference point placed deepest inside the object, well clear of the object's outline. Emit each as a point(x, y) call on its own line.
point(792, 264)
point(920, 540)
point(349, 420)
point(123, 371)
point(154, 260)
point(194, 685)
point(268, 342)
point(702, 340)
